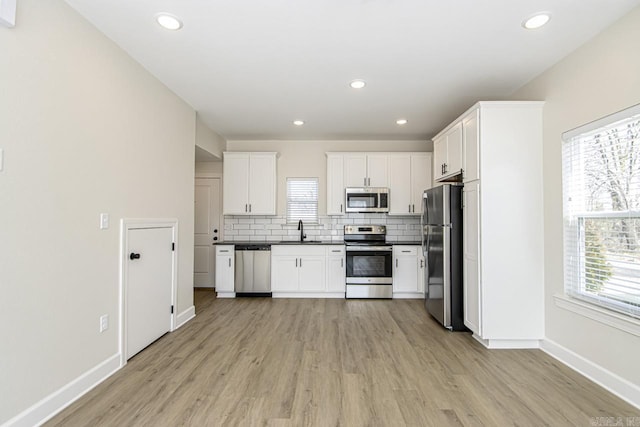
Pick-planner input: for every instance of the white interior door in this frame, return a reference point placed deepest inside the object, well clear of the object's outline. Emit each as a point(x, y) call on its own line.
point(207, 230)
point(148, 292)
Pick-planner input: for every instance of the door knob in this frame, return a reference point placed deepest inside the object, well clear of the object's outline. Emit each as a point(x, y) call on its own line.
point(133, 256)
point(215, 230)
point(215, 238)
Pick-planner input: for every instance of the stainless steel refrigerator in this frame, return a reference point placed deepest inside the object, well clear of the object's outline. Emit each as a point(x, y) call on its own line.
point(442, 248)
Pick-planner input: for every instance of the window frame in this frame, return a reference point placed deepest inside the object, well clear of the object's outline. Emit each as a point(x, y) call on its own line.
point(305, 220)
point(576, 296)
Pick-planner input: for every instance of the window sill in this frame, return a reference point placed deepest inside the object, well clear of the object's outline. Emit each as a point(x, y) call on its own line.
point(602, 315)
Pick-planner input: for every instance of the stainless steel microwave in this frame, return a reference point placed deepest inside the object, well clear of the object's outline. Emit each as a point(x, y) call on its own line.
point(367, 199)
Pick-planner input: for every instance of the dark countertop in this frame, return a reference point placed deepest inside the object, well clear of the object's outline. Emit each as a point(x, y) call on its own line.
point(285, 242)
point(307, 242)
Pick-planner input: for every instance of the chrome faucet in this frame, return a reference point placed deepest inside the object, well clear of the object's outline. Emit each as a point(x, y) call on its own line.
point(301, 228)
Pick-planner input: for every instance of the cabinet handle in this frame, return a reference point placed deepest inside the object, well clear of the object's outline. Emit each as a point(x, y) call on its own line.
point(229, 262)
point(396, 262)
point(341, 262)
point(405, 252)
point(414, 208)
point(409, 207)
point(300, 262)
point(421, 263)
point(365, 181)
point(249, 207)
point(340, 207)
point(246, 208)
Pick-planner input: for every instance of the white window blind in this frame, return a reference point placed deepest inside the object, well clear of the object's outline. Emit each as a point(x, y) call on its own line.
point(601, 197)
point(302, 200)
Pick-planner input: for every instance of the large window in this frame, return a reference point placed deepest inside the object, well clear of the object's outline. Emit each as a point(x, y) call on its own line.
point(601, 183)
point(302, 200)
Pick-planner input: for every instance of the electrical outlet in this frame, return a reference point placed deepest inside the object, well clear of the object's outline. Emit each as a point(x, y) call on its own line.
point(104, 322)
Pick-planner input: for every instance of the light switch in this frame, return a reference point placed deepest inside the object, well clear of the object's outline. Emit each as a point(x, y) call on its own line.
point(104, 221)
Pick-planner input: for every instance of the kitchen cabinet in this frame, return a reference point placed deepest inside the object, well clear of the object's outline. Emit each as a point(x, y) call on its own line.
point(249, 183)
point(471, 146)
point(409, 175)
point(366, 170)
point(308, 271)
point(502, 218)
point(408, 271)
point(447, 153)
point(336, 269)
point(225, 271)
point(335, 184)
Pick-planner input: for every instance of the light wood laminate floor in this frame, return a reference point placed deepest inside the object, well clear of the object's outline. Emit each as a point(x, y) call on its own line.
point(297, 362)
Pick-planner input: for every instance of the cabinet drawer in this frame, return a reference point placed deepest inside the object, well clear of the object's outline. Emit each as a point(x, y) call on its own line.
point(401, 250)
point(335, 250)
point(224, 249)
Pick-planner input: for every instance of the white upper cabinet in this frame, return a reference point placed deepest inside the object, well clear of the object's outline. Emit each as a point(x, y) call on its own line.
point(355, 170)
point(409, 175)
point(471, 146)
point(249, 183)
point(447, 153)
point(335, 184)
point(377, 170)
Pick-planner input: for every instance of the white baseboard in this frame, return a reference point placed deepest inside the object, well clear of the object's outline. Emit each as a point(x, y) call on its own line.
point(507, 344)
point(615, 384)
point(307, 295)
point(46, 408)
point(225, 294)
point(185, 316)
point(408, 295)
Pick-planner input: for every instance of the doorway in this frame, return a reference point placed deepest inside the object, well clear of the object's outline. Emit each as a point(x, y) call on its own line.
point(148, 283)
point(207, 230)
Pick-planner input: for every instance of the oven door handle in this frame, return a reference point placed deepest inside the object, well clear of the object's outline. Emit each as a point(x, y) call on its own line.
point(369, 249)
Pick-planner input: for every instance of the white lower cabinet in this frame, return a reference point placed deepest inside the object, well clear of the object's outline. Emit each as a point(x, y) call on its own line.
point(225, 269)
point(336, 269)
point(307, 271)
point(408, 271)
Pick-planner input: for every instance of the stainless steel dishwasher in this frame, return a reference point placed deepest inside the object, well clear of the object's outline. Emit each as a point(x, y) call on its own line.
point(253, 270)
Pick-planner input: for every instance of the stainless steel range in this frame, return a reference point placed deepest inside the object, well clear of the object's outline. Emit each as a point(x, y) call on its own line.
point(369, 262)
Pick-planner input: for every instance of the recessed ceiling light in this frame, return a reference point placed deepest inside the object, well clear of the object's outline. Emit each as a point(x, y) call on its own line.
point(536, 21)
point(401, 121)
point(168, 21)
point(357, 84)
point(298, 122)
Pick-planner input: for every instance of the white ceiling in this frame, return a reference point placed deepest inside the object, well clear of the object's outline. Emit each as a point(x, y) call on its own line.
point(252, 67)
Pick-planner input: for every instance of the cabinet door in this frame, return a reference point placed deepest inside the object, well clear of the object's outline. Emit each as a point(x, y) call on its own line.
point(312, 274)
point(378, 170)
point(454, 150)
point(439, 156)
point(284, 273)
point(355, 170)
point(422, 264)
point(225, 267)
point(471, 261)
point(400, 184)
point(235, 184)
point(405, 269)
point(262, 184)
point(335, 185)
point(470, 147)
point(421, 174)
point(336, 277)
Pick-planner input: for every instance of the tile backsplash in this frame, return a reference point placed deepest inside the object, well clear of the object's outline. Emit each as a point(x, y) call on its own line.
point(329, 228)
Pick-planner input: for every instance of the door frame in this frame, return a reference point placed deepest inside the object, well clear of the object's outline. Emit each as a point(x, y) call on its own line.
point(127, 224)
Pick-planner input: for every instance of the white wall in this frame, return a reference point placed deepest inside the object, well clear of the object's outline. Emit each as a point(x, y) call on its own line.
point(208, 140)
point(308, 159)
point(85, 130)
point(208, 168)
point(600, 78)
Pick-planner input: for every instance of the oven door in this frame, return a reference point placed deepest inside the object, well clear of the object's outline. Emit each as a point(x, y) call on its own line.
point(369, 265)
